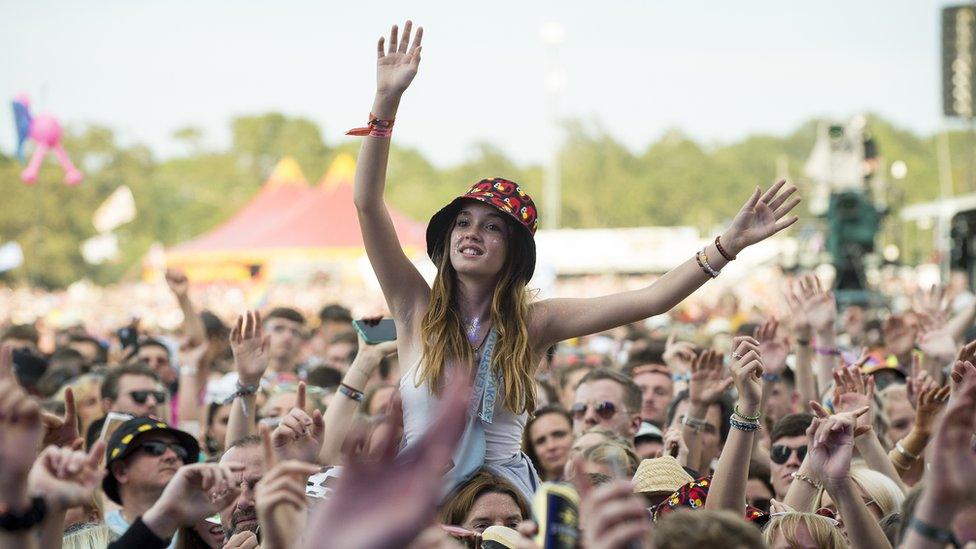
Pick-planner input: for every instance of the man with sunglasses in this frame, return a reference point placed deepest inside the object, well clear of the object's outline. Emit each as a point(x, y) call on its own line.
point(605, 398)
point(788, 440)
point(142, 456)
point(133, 389)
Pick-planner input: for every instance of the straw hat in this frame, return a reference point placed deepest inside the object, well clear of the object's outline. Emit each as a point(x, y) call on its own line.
point(663, 474)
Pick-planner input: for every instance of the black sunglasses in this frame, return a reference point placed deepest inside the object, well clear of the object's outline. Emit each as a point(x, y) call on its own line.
point(605, 410)
point(780, 453)
point(140, 397)
point(158, 448)
point(760, 503)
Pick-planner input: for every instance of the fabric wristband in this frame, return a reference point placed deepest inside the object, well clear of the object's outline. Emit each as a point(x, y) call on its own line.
point(374, 128)
point(351, 393)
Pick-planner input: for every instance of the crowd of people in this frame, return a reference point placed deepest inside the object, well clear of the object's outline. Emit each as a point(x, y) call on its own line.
point(493, 419)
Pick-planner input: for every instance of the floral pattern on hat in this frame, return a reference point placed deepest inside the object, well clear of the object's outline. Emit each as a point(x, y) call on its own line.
point(508, 197)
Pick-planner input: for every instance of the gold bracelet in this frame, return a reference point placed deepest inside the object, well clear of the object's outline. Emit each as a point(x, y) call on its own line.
point(808, 480)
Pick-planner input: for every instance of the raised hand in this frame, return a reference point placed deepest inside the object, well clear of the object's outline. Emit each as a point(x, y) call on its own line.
point(932, 304)
point(918, 380)
point(398, 61)
point(930, 402)
point(250, 347)
point(191, 353)
point(678, 355)
point(20, 440)
point(935, 340)
point(675, 445)
point(967, 353)
point(772, 349)
point(962, 371)
point(67, 478)
point(177, 282)
point(854, 390)
point(195, 492)
point(831, 442)
point(387, 503)
point(612, 517)
point(299, 435)
point(762, 216)
point(747, 371)
point(280, 497)
point(899, 336)
point(818, 304)
point(707, 379)
point(952, 460)
point(62, 431)
point(795, 299)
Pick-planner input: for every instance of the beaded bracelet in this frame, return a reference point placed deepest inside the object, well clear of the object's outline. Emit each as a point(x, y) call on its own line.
point(735, 411)
point(747, 426)
point(351, 393)
point(703, 263)
point(721, 250)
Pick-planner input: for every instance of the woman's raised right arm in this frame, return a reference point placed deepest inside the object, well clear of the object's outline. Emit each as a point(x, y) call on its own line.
point(403, 287)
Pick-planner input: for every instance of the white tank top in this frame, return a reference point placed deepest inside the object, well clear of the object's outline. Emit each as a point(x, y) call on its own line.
point(503, 436)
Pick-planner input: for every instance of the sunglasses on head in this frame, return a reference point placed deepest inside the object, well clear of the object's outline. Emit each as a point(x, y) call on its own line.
point(824, 513)
point(140, 397)
point(605, 410)
point(780, 453)
point(158, 448)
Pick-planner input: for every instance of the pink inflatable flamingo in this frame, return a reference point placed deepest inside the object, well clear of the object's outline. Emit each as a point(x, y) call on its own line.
point(45, 131)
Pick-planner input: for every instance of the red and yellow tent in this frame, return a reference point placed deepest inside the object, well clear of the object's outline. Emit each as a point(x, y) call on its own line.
point(289, 228)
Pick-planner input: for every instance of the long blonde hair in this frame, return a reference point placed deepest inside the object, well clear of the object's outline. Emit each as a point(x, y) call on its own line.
point(442, 332)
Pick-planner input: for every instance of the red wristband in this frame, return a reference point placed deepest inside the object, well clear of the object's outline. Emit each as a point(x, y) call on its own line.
point(374, 128)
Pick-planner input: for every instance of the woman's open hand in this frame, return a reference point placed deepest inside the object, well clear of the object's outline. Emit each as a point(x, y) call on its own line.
point(762, 216)
point(398, 61)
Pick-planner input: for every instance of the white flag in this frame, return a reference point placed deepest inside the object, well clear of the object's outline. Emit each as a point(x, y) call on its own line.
point(11, 256)
point(100, 248)
point(118, 209)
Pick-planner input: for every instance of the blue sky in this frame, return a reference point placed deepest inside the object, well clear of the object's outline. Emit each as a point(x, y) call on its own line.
point(716, 70)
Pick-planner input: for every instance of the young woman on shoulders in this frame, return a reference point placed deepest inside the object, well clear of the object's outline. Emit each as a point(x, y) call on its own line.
point(478, 316)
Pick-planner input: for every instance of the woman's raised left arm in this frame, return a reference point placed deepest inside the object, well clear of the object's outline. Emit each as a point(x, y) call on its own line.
point(762, 216)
